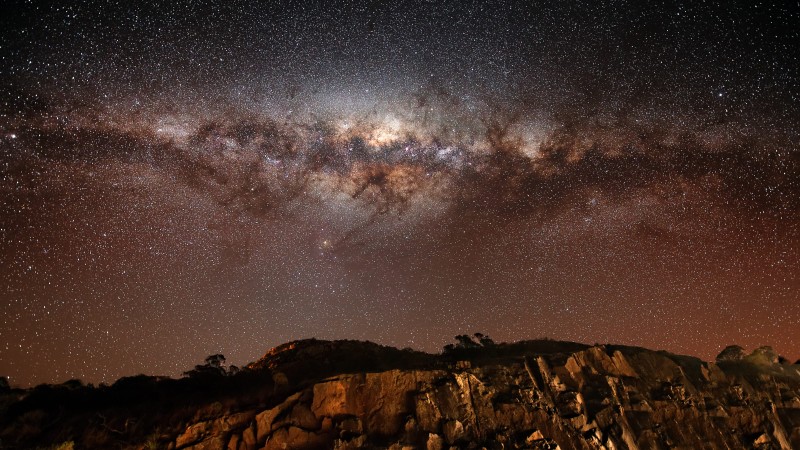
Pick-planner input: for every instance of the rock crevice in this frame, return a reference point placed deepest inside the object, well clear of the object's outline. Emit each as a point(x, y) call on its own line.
point(597, 398)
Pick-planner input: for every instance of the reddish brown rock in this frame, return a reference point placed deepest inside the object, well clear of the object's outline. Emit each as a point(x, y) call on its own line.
point(596, 398)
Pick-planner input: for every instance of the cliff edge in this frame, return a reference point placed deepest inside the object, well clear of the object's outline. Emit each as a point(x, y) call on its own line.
point(535, 394)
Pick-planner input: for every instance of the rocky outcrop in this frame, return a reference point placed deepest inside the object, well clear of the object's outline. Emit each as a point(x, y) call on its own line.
point(596, 398)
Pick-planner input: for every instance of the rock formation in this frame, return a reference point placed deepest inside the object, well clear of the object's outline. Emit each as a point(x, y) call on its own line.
point(600, 397)
point(355, 395)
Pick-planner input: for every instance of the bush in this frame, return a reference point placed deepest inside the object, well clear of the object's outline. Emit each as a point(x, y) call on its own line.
point(731, 353)
point(467, 342)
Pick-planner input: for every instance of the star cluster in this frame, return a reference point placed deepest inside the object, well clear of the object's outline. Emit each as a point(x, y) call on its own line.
point(190, 178)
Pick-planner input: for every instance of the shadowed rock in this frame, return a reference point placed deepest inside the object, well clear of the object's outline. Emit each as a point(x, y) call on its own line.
point(532, 394)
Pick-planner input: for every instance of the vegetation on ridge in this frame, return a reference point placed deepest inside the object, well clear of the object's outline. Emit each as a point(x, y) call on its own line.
point(141, 409)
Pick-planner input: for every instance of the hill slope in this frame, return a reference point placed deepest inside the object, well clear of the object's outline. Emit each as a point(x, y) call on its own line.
point(349, 394)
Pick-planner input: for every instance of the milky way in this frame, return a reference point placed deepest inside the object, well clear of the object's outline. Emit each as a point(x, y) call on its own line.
point(200, 177)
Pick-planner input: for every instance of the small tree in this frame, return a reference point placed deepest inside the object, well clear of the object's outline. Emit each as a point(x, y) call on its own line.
point(484, 340)
point(214, 366)
point(465, 341)
point(216, 361)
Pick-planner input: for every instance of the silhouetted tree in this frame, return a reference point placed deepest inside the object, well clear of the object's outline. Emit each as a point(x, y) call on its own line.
point(484, 340)
point(214, 366)
point(216, 361)
point(74, 383)
point(4, 386)
point(465, 341)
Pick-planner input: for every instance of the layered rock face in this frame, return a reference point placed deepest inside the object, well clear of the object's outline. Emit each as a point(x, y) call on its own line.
point(596, 398)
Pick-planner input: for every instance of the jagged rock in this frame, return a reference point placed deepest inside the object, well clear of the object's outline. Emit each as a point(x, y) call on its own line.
point(595, 360)
point(248, 439)
point(293, 437)
point(399, 446)
point(570, 404)
point(193, 433)
point(351, 426)
point(359, 395)
point(453, 431)
point(535, 436)
point(764, 355)
point(763, 439)
point(213, 443)
point(352, 444)
point(301, 416)
point(588, 398)
point(731, 353)
point(216, 430)
point(435, 442)
point(233, 444)
point(265, 420)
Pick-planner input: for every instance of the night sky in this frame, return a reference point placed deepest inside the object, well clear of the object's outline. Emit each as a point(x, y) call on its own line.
point(200, 177)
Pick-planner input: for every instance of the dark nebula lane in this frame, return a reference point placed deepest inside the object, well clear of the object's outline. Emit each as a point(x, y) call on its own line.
point(190, 178)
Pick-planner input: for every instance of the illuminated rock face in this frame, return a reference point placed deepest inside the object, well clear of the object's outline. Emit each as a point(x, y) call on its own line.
point(597, 398)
